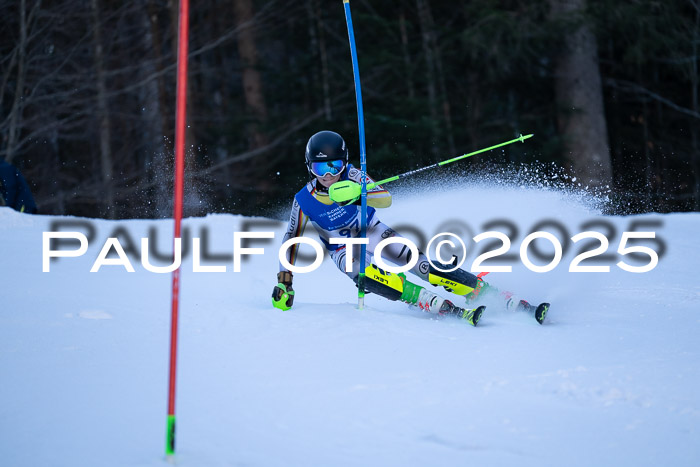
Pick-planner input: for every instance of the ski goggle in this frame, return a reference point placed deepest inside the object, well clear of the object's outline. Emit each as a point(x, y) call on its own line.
point(327, 167)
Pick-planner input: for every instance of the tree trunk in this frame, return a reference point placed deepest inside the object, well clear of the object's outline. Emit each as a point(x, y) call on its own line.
point(6, 75)
point(694, 82)
point(156, 46)
point(324, 63)
point(406, 55)
point(252, 81)
point(430, 73)
point(154, 101)
point(318, 43)
point(16, 112)
point(474, 104)
point(103, 115)
point(579, 94)
point(651, 178)
point(314, 80)
point(445, 102)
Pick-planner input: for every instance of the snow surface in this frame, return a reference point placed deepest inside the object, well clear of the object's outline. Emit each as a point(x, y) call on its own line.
point(612, 378)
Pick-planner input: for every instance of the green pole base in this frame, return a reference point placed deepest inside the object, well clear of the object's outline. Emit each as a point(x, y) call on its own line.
point(361, 291)
point(170, 439)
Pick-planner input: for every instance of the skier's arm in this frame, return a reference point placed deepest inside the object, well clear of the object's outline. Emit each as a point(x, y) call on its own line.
point(295, 228)
point(283, 294)
point(377, 197)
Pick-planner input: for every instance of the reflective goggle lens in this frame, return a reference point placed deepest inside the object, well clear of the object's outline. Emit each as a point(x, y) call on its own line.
point(327, 167)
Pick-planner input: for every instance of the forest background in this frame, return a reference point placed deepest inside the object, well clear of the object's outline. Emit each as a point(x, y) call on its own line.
point(609, 88)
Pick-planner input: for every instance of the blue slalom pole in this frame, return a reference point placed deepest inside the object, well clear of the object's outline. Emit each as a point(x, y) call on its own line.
point(363, 157)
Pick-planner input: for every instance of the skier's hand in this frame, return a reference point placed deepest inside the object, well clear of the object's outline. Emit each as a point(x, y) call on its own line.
point(283, 294)
point(345, 192)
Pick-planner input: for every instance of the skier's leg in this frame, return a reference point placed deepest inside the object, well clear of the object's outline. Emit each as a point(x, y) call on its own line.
point(510, 300)
point(397, 287)
point(457, 281)
point(387, 285)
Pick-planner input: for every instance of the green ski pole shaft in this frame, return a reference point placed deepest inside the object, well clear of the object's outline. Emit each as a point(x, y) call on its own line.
point(521, 138)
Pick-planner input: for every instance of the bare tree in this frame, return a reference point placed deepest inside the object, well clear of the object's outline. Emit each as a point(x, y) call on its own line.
point(579, 95)
point(405, 53)
point(319, 41)
point(18, 103)
point(252, 81)
point(437, 91)
point(103, 113)
point(153, 98)
point(430, 74)
point(695, 102)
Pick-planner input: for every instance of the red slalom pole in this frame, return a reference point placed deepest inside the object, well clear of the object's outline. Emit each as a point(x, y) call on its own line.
point(180, 120)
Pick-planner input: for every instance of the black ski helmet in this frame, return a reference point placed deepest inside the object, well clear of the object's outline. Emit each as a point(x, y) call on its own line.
point(325, 146)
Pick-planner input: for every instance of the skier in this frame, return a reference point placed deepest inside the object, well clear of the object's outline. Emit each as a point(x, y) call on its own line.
point(14, 189)
point(327, 163)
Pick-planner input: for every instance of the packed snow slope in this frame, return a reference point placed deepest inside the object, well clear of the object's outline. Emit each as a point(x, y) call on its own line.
point(612, 378)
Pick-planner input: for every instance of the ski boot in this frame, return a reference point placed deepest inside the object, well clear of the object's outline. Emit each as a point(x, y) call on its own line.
point(462, 283)
point(515, 304)
point(470, 315)
point(433, 303)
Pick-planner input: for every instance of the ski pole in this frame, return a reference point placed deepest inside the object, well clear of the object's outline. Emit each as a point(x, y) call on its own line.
point(521, 138)
point(363, 161)
point(352, 191)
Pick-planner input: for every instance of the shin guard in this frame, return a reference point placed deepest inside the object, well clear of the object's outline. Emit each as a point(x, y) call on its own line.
point(459, 281)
